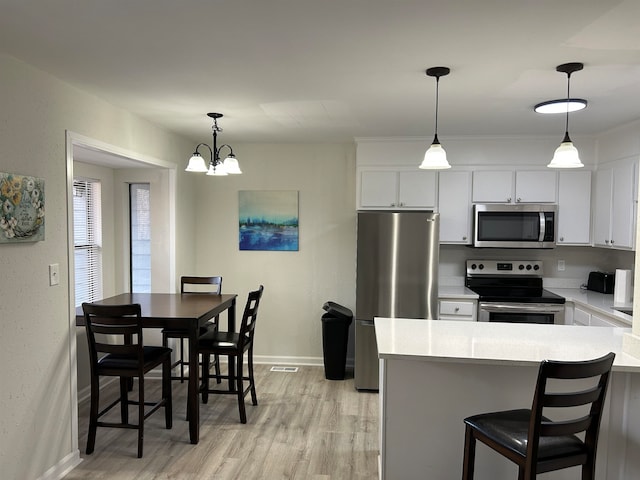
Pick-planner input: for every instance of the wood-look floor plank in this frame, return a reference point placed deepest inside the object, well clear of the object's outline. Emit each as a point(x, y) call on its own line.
point(304, 428)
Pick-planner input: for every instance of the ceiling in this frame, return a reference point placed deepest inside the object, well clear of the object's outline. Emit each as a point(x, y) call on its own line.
point(331, 70)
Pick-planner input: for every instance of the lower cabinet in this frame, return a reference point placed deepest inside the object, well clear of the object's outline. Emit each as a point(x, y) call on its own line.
point(587, 317)
point(462, 310)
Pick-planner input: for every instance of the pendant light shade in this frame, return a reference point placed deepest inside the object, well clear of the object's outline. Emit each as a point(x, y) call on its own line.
point(435, 157)
point(566, 155)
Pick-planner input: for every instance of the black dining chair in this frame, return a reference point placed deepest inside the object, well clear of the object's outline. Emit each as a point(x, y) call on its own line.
point(191, 284)
point(123, 354)
point(536, 443)
point(235, 345)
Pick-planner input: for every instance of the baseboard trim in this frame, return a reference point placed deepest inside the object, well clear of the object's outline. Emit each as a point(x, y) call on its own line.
point(63, 467)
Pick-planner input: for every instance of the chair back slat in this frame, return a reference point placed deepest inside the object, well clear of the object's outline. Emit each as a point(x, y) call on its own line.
point(249, 316)
point(187, 281)
point(572, 399)
point(555, 429)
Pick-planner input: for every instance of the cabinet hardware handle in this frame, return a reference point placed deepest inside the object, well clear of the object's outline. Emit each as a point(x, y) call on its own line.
point(562, 239)
point(519, 200)
point(611, 242)
point(464, 238)
point(509, 200)
point(457, 309)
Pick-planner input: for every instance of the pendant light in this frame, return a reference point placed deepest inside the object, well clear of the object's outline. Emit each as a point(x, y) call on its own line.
point(435, 157)
point(566, 155)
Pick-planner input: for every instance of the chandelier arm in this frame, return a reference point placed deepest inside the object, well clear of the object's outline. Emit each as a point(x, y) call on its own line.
point(225, 145)
point(208, 147)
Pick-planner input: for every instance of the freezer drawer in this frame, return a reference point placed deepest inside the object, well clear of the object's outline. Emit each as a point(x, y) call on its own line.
point(366, 361)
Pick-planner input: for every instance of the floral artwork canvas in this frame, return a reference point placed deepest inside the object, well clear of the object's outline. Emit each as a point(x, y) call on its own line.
point(268, 219)
point(21, 208)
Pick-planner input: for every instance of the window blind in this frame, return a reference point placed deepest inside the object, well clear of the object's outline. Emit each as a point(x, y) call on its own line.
point(87, 240)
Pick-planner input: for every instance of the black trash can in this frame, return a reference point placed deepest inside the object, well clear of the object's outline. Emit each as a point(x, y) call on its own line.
point(335, 336)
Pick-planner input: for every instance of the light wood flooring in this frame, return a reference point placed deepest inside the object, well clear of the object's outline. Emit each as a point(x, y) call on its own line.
point(304, 427)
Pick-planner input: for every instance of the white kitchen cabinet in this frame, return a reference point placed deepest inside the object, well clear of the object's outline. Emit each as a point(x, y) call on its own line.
point(507, 186)
point(454, 206)
point(585, 316)
point(574, 208)
point(397, 189)
point(615, 205)
point(460, 310)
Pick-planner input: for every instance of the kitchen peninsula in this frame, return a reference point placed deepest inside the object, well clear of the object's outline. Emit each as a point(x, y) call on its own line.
point(433, 374)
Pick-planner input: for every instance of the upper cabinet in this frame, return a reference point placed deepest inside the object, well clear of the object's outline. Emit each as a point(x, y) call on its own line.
point(615, 205)
point(393, 189)
point(574, 207)
point(454, 206)
point(508, 186)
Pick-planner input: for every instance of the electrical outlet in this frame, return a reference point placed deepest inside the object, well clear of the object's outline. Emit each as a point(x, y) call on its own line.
point(54, 274)
point(561, 265)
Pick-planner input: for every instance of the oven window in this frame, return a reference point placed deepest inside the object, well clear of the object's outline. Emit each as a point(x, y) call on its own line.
point(514, 226)
point(522, 317)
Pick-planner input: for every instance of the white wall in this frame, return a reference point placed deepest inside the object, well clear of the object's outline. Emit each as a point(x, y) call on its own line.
point(296, 283)
point(37, 345)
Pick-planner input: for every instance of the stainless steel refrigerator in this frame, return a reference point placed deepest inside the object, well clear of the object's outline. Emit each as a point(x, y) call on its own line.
point(397, 277)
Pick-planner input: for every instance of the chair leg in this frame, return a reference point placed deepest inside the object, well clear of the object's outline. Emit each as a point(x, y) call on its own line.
point(124, 399)
point(216, 358)
point(93, 415)
point(181, 360)
point(140, 415)
point(469, 454)
point(166, 393)
point(589, 469)
point(206, 358)
point(240, 390)
point(254, 397)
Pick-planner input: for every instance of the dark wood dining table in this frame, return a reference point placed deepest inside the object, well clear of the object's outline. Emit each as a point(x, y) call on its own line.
point(187, 311)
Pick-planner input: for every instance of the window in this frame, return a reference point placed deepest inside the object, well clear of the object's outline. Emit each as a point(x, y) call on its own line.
point(140, 240)
point(87, 240)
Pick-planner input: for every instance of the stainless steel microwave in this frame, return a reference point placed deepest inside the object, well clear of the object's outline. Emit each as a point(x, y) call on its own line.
point(514, 226)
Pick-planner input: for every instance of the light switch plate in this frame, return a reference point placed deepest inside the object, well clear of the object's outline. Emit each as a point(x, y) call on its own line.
point(54, 274)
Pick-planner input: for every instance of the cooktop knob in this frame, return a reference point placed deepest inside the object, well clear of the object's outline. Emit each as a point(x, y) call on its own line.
point(521, 267)
point(529, 267)
point(473, 266)
point(536, 267)
point(481, 266)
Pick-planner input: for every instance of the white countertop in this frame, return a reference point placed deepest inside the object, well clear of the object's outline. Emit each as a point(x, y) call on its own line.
point(456, 291)
point(498, 343)
point(598, 301)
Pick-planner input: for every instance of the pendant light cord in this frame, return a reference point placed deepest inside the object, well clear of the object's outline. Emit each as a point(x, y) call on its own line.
point(437, 98)
point(566, 126)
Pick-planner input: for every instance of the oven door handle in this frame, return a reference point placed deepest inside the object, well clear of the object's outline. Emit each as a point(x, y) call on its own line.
point(521, 307)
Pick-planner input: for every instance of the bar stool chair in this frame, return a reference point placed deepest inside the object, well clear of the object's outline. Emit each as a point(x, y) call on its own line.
point(190, 284)
point(233, 345)
point(534, 442)
point(125, 356)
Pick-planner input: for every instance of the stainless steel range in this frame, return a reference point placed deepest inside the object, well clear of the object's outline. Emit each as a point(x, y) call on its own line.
point(511, 291)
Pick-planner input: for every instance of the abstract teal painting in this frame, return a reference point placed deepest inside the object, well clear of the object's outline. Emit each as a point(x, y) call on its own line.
point(21, 208)
point(268, 219)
